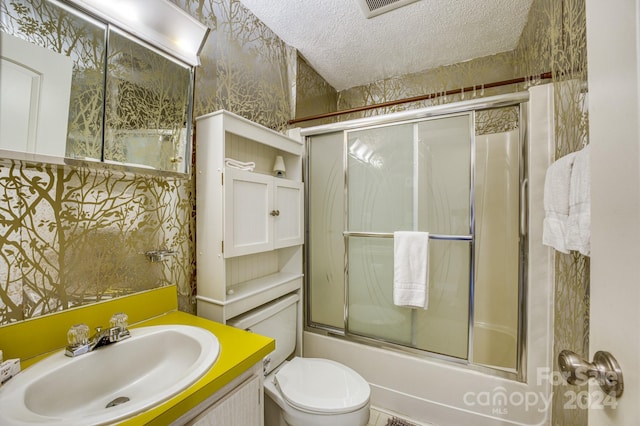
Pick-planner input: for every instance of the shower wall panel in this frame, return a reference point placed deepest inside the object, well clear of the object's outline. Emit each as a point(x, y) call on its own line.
point(497, 248)
point(325, 246)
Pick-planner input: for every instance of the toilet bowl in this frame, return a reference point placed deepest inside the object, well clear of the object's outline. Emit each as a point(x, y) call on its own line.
point(316, 392)
point(303, 391)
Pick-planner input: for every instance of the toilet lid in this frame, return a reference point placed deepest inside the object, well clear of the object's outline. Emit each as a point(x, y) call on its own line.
point(321, 386)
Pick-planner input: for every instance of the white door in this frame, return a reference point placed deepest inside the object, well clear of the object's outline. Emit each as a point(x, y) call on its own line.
point(613, 55)
point(248, 226)
point(289, 205)
point(36, 86)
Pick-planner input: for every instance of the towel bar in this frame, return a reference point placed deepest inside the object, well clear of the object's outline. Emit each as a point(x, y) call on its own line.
point(390, 235)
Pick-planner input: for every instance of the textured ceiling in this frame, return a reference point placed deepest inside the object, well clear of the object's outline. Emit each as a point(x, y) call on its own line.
point(349, 50)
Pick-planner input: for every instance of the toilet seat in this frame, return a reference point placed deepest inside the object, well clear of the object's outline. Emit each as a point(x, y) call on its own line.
point(321, 386)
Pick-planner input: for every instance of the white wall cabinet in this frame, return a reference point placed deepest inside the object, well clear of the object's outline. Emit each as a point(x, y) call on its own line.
point(249, 224)
point(266, 213)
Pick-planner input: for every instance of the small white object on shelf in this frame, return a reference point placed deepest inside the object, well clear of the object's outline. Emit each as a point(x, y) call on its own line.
point(278, 167)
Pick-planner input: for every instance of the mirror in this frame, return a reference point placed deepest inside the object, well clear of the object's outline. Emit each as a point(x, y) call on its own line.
point(56, 61)
point(56, 64)
point(146, 106)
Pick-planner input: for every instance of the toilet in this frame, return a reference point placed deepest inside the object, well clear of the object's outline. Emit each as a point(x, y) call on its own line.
point(303, 391)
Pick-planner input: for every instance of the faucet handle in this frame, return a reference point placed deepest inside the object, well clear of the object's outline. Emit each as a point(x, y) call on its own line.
point(78, 335)
point(120, 320)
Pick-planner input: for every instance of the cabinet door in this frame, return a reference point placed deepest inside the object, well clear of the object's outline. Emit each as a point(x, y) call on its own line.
point(248, 227)
point(242, 407)
point(289, 220)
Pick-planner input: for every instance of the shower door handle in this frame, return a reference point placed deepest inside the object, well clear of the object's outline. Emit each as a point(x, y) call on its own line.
point(604, 368)
point(523, 207)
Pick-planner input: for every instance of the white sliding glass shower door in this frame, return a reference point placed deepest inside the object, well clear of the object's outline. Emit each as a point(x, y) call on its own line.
point(410, 177)
point(460, 176)
point(380, 198)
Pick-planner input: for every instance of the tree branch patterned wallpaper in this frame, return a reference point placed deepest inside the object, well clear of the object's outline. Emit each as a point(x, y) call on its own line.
point(76, 235)
point(244, 65)
point(314, 95)
point(475, 72)
point(73, 235)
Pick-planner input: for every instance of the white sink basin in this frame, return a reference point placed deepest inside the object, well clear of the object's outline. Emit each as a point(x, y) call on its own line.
point(130, 376)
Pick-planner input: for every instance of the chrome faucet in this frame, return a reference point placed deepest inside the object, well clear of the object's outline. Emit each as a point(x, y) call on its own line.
point(80, 342)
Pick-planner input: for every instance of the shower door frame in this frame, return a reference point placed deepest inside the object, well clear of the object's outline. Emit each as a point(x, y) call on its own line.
point(518, 99)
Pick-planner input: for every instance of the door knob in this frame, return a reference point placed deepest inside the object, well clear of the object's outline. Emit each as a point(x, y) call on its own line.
point(604, 369)
point(275, 213)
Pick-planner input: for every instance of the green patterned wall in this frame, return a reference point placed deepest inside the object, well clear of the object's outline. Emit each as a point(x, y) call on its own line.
point(471, 73)
point(72, 235)
point(314, 96)
point(77, 235)
point(245, 66)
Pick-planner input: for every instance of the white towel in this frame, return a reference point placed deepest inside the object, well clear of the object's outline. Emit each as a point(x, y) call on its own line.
point(240, 165)
point(556, 203)
point(578, 231)
point(411, 269)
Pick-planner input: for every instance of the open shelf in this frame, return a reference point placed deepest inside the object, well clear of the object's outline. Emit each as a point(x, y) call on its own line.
point(250, 294)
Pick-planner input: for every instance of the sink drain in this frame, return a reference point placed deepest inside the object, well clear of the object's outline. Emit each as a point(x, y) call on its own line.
point(119, 400)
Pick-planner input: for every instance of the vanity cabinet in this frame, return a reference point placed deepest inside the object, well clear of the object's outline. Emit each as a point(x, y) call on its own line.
point(241, 407)
point(239, 403)
point(249, 224)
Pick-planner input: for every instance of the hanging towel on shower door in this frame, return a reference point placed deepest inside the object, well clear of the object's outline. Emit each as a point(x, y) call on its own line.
point(411, 269)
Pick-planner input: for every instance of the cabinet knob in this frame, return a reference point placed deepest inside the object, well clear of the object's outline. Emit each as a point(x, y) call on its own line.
point(275, 213)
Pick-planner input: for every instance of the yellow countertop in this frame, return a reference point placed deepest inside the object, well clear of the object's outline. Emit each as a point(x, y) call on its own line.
point(35, 339)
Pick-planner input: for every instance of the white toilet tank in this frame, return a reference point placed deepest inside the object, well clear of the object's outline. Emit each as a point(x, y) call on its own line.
point(278, 320)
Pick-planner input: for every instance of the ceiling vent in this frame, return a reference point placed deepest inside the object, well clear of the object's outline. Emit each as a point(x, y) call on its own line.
point(372, 8)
